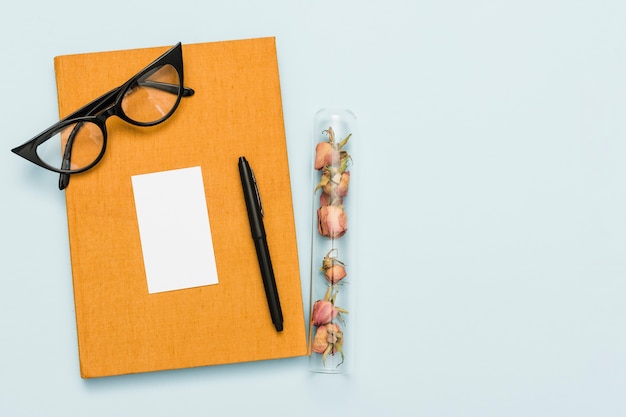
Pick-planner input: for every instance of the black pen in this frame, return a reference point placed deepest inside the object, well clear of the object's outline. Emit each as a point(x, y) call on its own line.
point(255, 215)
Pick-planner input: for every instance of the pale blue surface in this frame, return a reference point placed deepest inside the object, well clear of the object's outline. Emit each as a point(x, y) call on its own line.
point(492, 256)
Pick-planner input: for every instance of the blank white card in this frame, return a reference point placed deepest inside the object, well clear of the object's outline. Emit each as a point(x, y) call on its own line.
point(174, 229)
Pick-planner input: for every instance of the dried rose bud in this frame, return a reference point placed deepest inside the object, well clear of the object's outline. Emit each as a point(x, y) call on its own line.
point(331, 153)
point(334, 270)
point(321, 150)
point(320, 342)
point(335, 273)
point(328, 339)
point(323, 312)
point(332, 221)
point(334, 338)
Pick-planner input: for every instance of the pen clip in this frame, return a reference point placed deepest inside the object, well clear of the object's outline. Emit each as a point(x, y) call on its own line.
point(258, 194)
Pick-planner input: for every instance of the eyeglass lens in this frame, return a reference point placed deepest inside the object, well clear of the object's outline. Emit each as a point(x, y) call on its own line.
point(154, 96)
point(87, 142)
point(150, 100)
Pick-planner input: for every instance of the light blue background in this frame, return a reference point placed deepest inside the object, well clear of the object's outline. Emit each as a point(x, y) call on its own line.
point(492, 206)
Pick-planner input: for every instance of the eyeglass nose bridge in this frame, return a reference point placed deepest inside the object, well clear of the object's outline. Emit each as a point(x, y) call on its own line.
point(111, 111)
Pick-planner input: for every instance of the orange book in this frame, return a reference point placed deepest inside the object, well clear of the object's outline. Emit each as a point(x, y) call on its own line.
point(236, 110)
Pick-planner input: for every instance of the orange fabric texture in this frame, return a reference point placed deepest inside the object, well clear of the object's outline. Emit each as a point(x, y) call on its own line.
point(236, 110)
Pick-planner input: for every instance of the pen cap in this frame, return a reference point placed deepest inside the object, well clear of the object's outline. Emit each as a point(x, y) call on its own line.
point(334, 173)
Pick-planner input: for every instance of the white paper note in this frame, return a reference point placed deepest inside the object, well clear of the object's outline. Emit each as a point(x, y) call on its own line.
point(174, 229)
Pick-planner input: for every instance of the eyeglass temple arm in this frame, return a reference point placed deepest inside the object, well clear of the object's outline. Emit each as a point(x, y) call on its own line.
point(168, 88)
point(105, 100)
point(64, 179)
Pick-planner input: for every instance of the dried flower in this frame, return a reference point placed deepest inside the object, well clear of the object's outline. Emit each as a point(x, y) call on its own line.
point(332, 221)
point(332, 160)
point(328, 340)
point(321, 150)
point(331, 153)
point(320, 342)
point(335, 273)
point(323, 312)
point(334, 270)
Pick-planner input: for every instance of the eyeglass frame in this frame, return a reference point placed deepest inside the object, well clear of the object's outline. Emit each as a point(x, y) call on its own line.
point(99, 110)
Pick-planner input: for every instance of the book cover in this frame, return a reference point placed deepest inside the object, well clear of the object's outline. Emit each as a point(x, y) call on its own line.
point(236, 110)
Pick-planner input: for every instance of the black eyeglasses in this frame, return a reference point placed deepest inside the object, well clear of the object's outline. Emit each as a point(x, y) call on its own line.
point(147, 99)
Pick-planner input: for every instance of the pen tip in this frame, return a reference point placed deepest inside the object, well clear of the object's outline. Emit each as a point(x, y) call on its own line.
point(279, 327)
